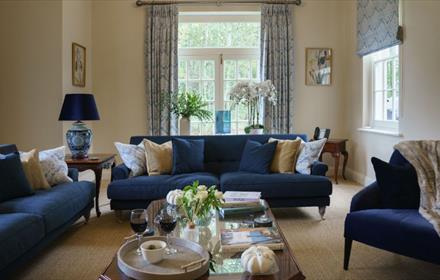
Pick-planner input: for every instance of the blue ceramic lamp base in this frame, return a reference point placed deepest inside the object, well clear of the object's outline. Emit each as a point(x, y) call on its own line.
point(79, 139)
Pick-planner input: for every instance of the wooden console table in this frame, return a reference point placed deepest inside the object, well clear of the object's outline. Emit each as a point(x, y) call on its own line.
point(336, 147)
point(95, 162)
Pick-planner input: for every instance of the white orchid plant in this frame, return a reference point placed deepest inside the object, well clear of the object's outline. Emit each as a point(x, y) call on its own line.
point(196, 201)
point(252, 95)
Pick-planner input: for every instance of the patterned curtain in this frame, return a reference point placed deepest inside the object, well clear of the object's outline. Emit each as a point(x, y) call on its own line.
point(377, 25)
point(277, 65)
point(161, 67)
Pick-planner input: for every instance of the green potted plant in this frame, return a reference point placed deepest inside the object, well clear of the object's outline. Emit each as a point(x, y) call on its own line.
point(186, 105)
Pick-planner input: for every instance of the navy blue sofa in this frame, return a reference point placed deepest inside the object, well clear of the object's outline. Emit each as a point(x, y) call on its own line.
point(401, 231)
point(30, 223)
point(222, 160)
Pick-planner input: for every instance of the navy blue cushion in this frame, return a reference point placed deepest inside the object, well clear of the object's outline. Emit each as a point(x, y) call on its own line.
point(155, 187)
point(398, 185)
point(277, 185)
point(398, 159)
point(257, 157)
point(13, 182)
point(56, 205)
point(19, 232)
point(403, 231)
point(188, 155)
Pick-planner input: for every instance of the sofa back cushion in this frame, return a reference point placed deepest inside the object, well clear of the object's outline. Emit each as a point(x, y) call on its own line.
point(222, 152)
point(188, 155)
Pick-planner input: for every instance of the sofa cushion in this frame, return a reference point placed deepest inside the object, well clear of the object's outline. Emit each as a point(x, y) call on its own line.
point(397, 184)
point(13, 181)
point(257, 157)
point(56, 206)
point(19, 232)
point(277, 185)
point(188, 155)
point(402, 231)
point(156, 187)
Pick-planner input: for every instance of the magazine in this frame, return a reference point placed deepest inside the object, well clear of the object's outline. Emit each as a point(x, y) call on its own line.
point(237, 240)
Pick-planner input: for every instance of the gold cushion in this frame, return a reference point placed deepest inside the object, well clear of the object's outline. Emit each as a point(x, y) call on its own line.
point(159, 157)
point(33, 171)
point(284, 159)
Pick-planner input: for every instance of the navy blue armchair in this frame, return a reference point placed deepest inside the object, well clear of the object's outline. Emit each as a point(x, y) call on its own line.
point(401, 231)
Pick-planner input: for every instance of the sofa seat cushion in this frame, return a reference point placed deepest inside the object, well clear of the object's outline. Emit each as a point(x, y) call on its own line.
point(56, 205)
point(402, 231)
point(19, 232)
point(277, 185)
point(156, 187)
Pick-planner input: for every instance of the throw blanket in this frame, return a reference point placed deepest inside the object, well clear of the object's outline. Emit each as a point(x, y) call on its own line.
point(425, 157)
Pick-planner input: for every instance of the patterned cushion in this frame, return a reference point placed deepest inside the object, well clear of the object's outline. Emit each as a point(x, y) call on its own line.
point(133, 157)
point(54, 166)
point(32, 169)
point(309, 153)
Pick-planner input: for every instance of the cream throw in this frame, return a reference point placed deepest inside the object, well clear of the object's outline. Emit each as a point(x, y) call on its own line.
point(425, 157)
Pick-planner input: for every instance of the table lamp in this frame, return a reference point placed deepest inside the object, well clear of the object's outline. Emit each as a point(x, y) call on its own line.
point(79, 107)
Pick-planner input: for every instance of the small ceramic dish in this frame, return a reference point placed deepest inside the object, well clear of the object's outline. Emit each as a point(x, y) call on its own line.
point(153, 250)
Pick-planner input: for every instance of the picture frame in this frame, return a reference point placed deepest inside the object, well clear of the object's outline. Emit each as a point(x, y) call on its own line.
point(78, 65)
point(319, 66)
point(321, 133)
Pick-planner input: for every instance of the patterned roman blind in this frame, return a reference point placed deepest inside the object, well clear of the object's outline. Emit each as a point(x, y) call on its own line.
point(377, 25)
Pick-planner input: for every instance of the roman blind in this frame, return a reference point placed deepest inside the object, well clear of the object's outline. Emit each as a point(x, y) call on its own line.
point(377, 25)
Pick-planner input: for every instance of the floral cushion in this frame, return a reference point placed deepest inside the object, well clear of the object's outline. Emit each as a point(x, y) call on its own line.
point(133, 157)
point(54, 166)
point(309, 153)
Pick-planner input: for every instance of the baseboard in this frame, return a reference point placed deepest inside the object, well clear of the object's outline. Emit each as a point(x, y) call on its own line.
point(359, 177)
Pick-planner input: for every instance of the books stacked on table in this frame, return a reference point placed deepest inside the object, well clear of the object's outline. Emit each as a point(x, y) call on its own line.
point(240, 203)
point(238, 240)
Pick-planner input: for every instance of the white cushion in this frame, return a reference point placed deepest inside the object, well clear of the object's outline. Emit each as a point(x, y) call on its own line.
point(133, 157)
point(309, 153)
point(54, 166)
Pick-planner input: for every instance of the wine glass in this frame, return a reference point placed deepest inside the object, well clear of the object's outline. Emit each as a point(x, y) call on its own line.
point(168, 221)
point(139, 222)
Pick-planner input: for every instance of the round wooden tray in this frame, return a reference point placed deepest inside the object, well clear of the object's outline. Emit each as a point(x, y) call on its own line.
point(170, 268)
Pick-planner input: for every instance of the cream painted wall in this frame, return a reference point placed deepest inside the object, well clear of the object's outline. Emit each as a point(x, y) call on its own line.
point(77, 27)
point(420, 91)
point(118, 75)
point(30, 73)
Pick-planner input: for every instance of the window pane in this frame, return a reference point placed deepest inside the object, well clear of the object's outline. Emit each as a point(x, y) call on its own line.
point(389, 105)
point(254, 69)
point(209, 90)
point(378, 76)
point(230, 70)
point(389, 74)
point(182, 86)
point(194, 86)
point(243, 70)
point(194, 69)
point(182, 69)
point(208, 70)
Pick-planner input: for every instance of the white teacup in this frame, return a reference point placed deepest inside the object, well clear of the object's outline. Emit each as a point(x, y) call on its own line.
point(153, 250)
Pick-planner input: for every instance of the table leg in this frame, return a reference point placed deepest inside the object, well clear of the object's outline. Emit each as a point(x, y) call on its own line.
point(336, 156)
point(345, 153)
point(98, 175)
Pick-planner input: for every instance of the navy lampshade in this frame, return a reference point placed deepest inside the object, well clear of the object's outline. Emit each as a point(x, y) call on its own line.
point(79, 107)
point(223, 122)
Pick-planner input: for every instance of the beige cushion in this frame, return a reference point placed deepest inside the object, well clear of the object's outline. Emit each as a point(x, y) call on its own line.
point(33, 171)
point(159, 157)
point(284, 159)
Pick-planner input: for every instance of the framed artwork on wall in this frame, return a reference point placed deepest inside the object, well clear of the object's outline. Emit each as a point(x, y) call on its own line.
point(319, 66)
point(78, 65)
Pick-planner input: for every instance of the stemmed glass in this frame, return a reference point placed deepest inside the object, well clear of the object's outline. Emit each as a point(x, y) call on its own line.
point(139, 222)
point(168, 221)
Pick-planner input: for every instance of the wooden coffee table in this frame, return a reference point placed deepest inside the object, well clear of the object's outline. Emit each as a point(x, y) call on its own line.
point(227, 266)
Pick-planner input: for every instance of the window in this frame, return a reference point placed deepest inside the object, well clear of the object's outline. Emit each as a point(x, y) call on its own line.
point(382, 86)
point(216, 51)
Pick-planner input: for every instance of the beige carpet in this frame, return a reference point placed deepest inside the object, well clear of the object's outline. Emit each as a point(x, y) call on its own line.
point(84, 251)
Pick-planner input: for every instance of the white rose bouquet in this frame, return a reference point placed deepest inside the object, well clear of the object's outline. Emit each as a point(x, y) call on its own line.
point(196, 201)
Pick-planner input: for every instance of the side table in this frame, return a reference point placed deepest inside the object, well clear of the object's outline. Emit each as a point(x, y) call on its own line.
point(95, 162)
point(337, 148)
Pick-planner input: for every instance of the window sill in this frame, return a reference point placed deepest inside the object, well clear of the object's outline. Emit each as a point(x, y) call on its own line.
point(381, 131)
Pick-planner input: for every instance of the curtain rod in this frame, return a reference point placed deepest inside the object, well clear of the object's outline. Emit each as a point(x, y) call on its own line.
point(140, 3)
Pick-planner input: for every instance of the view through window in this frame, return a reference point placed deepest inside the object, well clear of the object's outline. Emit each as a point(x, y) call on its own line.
point(215, 52)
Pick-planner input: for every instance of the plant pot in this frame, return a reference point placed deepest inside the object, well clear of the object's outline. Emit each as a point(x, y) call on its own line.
point(184, 126)
point(255, 131)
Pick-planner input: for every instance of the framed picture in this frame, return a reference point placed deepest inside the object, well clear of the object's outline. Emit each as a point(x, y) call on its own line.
point(78, 65)
point(319, 66)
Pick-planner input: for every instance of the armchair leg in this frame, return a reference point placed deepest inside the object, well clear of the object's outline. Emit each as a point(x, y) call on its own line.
point(87, 217)
point(347, 251)
point(321, 210)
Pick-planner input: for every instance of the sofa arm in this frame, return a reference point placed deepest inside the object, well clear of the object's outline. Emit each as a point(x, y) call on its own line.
point(73, 174)
point(367, 198)
point(318, 168)
point(120, 172)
